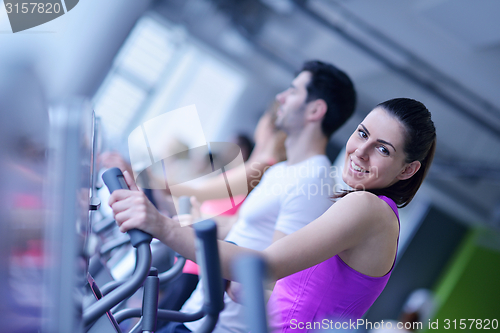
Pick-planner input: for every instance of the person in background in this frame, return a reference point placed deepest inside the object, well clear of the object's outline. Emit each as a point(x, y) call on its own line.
point(269, 149)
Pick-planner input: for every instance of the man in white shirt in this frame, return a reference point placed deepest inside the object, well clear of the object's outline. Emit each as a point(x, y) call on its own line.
point(295, 192)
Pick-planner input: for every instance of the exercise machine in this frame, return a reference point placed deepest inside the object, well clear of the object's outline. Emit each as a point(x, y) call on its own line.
point(97, 317)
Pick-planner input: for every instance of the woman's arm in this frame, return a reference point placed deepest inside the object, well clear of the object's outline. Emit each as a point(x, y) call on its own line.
point(133, 210)
point(345, 226)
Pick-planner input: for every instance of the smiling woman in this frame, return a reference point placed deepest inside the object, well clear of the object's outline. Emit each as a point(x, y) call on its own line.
point(336, 266)
point(391, 151)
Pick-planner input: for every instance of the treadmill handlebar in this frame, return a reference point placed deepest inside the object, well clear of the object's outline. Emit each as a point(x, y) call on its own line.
point(207, 254)
point(114, 180)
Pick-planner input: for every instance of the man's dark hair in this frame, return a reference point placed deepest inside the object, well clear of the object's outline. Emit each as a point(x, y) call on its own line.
point(334, 87)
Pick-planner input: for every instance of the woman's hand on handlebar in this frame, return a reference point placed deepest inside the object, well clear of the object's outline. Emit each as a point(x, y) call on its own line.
point(133, 210)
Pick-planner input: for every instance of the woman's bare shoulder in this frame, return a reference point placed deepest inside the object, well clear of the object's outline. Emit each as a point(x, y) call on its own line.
point(362, 199)
point(366, 206)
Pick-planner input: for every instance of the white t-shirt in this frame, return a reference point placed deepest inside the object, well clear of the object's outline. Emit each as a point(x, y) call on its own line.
point(286, 199)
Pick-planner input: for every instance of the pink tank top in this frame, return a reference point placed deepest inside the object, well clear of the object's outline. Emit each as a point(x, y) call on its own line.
point(330, 290)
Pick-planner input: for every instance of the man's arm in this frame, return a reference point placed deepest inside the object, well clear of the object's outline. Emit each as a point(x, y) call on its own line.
point(224, 224)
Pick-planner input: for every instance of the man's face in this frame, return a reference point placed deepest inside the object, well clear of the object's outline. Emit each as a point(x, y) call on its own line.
point(290, 114)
